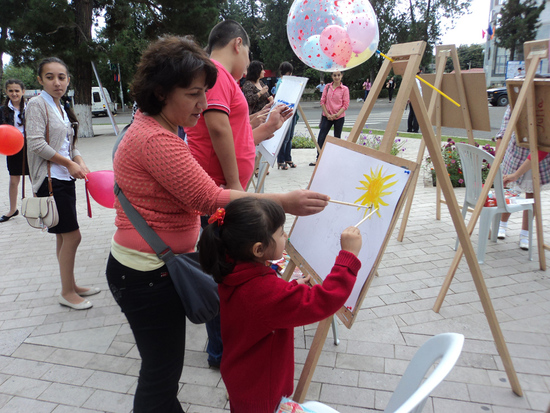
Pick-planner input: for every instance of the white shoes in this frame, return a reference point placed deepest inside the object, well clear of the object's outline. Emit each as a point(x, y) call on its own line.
point(84, 305)
point(501, 233)
point(524, 243)
point(91, 291)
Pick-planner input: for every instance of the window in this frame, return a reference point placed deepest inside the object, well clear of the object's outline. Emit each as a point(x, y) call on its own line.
point(97, 98)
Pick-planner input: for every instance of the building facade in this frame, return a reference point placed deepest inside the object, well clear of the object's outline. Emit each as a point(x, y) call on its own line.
point(496, 58)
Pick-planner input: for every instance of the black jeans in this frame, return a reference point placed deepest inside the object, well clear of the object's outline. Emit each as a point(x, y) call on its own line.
point(284, 153)
point(157, 318)
point(326, 125)
point(412, 122)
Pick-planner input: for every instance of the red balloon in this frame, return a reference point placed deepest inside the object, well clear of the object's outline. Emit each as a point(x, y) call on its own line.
point(101, 186)
point(11, 140)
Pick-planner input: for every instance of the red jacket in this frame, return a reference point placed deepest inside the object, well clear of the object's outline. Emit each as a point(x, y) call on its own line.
point(258, 312)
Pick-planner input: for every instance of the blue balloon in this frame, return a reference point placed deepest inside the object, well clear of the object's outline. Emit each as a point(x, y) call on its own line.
point(312, 53)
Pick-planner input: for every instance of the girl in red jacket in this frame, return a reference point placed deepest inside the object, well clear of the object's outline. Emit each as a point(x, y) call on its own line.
point(258, 309)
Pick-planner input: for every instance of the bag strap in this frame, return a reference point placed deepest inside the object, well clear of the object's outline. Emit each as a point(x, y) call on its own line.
point(162, 250)
point(50, 189)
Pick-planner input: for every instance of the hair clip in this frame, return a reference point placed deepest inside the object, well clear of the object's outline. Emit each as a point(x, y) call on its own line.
point(219, 216)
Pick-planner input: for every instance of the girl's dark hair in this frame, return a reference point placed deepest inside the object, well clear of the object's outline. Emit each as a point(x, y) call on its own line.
point(169, 62)
point(254, 70)
point(21, 103)
point(285, 68)
point(223, 33)
point(69, 110)
point(247, 221)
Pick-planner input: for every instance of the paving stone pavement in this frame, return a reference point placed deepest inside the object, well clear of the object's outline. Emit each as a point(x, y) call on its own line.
point(53, 359)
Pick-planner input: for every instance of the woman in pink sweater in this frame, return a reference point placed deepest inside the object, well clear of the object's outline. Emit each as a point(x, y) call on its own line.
point(258, 309)
point(159, 176)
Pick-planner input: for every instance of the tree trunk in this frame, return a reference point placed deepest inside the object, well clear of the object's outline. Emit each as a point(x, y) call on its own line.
point(82, 79)
point(3, 35)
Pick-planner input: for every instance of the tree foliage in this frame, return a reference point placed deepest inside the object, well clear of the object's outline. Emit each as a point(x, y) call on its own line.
point(517, 24)
point(25, 74)
point(469, 57)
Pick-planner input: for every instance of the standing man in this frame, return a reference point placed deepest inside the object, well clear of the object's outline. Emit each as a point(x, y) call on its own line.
point(412, 122)
point(223, 141)
point(320, 87)
point(335, 101)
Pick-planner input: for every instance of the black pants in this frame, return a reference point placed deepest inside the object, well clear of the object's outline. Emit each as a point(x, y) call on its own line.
point(390, 93)
point(326, 125)
point(157, 318)
point(412, 122)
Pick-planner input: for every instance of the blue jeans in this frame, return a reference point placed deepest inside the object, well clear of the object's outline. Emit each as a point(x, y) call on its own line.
point(157, 318)
point(284, 153)
point(326, 125)
point(214, 348)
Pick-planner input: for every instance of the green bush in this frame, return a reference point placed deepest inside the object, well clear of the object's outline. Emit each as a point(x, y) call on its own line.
point(300, 141)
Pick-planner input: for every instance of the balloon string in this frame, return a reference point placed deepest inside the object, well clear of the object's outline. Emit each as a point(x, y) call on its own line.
point(422, 80)
point(88, 199)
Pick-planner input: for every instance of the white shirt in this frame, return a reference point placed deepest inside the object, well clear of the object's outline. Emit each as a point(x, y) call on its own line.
point(16, 118)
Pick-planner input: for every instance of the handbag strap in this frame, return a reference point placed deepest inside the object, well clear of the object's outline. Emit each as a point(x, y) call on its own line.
point(163, 251)
point(47, 136)
point(50, 189)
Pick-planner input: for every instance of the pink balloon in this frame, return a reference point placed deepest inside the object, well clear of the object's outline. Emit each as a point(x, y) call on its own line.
point(361, 31)
point(101, 186)
point(335, 43)
point(342, 52)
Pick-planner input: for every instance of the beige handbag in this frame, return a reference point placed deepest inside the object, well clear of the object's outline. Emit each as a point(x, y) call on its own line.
point(41, 212)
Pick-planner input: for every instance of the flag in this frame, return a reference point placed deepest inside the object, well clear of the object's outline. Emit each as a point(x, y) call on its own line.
point(490, 31)
point(482, 34)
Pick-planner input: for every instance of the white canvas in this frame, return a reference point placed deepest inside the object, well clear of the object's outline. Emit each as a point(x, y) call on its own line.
point(289, 93)
point(339, 173)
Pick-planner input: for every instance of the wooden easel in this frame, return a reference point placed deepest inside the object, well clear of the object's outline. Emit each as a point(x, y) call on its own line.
point(535, 52)
point(443, 52)
point(405, 61)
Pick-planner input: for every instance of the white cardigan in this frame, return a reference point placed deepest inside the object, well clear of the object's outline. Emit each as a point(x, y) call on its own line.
point(38, 151)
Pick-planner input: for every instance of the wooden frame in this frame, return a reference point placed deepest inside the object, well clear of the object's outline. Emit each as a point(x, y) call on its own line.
point(535, 52)
point(405, 60)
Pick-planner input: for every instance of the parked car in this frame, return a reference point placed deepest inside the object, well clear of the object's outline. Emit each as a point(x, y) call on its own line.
point(497, 96)
point(99, 106)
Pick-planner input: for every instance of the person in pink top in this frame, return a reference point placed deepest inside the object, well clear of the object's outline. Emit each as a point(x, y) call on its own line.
point(223, 141)
point(156, 171)
point(334, 102)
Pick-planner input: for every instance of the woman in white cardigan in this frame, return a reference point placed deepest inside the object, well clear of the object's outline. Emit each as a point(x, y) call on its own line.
point(67, 165)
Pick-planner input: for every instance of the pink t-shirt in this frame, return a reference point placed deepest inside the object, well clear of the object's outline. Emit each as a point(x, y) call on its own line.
point(336, 98)
point(225, 96)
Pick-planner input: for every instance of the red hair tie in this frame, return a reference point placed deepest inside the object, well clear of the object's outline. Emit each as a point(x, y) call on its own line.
point(218, 216)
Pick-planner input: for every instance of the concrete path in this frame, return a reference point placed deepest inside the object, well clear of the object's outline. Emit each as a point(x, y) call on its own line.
point(53, 359)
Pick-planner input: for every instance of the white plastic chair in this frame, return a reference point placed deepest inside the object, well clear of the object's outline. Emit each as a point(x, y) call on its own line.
point(411, 393)
point(471, 159)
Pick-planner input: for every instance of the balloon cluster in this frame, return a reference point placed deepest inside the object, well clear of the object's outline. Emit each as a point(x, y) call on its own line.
point(330, 35)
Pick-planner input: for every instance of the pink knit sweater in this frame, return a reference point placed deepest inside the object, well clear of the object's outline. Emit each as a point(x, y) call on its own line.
point(165, 184)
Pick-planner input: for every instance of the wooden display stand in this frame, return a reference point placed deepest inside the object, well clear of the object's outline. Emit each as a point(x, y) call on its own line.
point(535, 52)
point(468, 89)
point(405, 61)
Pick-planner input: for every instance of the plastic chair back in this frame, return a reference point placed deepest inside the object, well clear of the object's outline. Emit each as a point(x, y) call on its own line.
point(472, 159)
point(411, 394)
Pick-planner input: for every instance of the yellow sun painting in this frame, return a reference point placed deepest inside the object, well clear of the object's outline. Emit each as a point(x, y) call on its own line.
point(375, 188)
